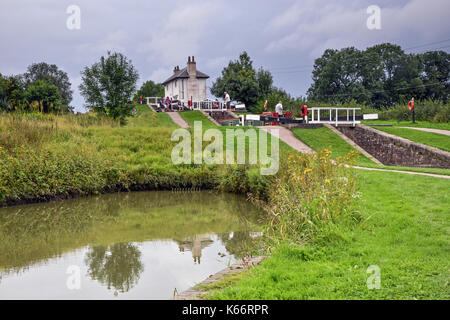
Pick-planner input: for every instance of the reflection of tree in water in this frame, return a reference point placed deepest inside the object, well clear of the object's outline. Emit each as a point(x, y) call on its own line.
point(118, 265)
point(241, 243)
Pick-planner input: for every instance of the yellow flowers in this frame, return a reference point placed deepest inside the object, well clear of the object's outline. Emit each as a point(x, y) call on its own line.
point(307, 170)
point(327, 180)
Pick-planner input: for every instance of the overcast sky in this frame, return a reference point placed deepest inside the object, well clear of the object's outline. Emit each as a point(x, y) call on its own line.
point(283, 36)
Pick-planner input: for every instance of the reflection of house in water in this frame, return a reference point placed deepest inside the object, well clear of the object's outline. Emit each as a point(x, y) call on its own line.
point(195, 244)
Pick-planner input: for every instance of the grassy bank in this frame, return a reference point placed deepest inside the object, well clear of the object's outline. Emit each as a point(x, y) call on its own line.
point(417, 124)
point(436, 140)
point(404, 232)
point(323, 138)
point(44, 157)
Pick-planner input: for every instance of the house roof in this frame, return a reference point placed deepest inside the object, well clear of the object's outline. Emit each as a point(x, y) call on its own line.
point(183, 73)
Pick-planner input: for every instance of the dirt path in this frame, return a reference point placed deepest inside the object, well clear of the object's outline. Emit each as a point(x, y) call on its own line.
point(288, 137)
point(440, 131)
point(178, 119)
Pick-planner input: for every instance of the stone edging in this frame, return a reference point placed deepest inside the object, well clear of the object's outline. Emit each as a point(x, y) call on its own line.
point(196, 292)
point(443, 153)
point(210, 118)
point(353, 144)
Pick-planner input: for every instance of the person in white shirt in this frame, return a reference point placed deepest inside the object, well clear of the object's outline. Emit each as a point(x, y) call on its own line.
point(279, 108)
point(227, 99)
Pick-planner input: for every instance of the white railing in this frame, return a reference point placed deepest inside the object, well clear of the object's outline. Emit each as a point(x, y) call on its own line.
point(206, 105)
point(209, 105)
point(333, 115)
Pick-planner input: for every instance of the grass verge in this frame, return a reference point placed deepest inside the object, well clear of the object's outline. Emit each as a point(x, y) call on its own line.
point(404, 233)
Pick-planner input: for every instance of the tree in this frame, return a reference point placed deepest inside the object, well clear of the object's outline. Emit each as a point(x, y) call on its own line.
point(52, 75)
point(150, 89)
point(337, 76)
point(239, 80)
point(45, 94)
point(436, 74)
point(109, 85)
point(12, 93)
point(265, 82)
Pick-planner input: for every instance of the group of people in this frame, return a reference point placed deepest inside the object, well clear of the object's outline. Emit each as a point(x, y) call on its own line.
point(167, 104)
point(278, 107)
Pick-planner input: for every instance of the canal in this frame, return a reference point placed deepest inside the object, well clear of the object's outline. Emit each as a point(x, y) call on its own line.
point(140, 245)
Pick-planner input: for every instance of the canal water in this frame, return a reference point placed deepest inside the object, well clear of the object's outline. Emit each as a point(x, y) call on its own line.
point(140, 245)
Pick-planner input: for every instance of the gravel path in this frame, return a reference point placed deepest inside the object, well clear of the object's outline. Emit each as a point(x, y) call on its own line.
point(178, 119)
point(440, 131)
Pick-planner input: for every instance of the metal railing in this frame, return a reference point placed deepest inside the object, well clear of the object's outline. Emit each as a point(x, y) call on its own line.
point(331, 115)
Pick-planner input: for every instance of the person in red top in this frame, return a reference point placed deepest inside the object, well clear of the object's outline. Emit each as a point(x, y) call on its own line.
point(168, 103)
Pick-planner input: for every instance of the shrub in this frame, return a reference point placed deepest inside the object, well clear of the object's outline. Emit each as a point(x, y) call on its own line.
point(311, 194)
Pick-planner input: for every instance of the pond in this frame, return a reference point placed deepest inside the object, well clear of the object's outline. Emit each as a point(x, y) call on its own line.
point(139, 245)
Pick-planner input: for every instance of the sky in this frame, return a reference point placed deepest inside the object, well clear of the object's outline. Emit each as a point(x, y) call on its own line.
point(282, 36)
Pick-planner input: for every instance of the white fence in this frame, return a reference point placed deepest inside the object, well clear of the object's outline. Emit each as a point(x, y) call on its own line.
point(207, 105)
point(333, 115)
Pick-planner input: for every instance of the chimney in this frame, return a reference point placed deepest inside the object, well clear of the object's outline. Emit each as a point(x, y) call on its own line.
point(191, 67)
point(174, 69)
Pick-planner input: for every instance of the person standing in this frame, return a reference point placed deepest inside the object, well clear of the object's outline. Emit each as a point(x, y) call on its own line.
point(279, 108)
point(227, 100)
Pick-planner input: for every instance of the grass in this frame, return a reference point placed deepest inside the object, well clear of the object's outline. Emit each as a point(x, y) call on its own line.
point(405, 234)
point(191, 116)
point(417, 124)
point(322, 138)
point(436, 140)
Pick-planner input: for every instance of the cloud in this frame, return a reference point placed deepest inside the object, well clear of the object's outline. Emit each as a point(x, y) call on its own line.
point(182, 33)
point(112, 42)
point(313, 26)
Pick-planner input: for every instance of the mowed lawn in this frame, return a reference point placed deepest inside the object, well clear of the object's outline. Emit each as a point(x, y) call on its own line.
point(436, 140)
point(417, 124)
point(405, 233)
point(323, 138)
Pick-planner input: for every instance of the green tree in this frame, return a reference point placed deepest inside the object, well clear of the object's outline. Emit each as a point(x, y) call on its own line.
point(150, 89)
point(109, 85)
point(337, 77)
point(45, 94)
point(50, 74)
point(239, 80)
point(12, 93)
point(436, 74)
point(265, 82)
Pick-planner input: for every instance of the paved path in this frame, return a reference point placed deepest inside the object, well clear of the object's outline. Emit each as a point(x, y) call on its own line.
point(288, 137)
point(407, 172)
point(178, 119)
point(440, 131)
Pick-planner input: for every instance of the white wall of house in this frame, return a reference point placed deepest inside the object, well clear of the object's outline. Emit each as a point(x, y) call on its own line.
point(184, 89)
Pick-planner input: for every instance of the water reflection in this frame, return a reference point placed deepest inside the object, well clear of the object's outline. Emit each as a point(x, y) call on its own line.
point(195, 244)
point(118, 265)
point(125, 242)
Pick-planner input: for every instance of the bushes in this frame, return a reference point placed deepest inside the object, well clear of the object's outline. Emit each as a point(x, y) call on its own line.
point(427, 110)
point(311, 196)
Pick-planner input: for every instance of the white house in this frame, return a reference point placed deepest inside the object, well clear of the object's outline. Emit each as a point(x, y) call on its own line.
point(187, 83)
